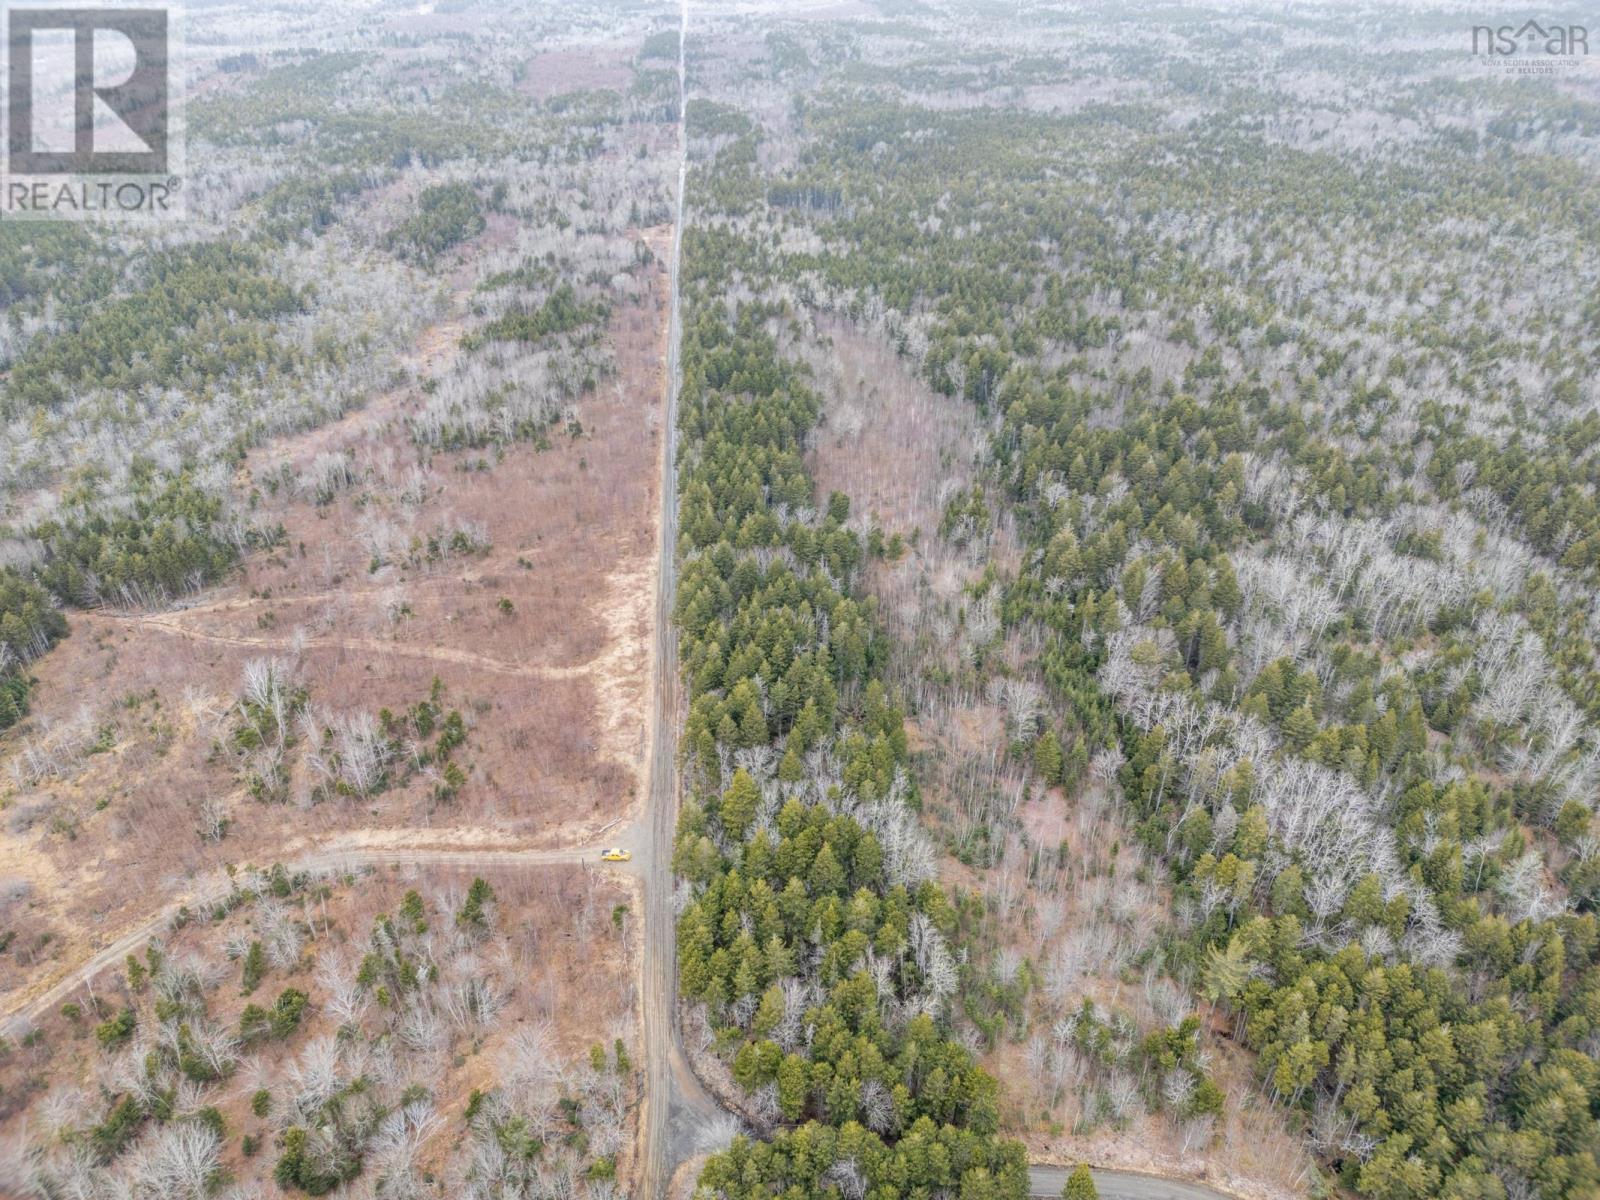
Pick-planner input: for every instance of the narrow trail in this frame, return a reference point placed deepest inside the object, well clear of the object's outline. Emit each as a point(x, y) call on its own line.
point(376, 646)
point(34, 1004)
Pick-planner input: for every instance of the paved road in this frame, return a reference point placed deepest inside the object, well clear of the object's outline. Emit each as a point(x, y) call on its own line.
point(1121, 1185)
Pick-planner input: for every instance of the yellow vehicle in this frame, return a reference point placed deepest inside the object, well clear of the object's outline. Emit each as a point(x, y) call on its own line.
point(616, 855)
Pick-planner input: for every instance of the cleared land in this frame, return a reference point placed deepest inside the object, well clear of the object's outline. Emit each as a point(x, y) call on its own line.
point(126, 759)
point(360, 1011)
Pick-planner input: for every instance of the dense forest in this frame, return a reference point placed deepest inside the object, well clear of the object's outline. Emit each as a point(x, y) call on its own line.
point(1295, 432)
point(818, 938)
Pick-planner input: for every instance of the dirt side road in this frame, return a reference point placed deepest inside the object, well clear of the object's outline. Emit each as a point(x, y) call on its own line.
point(332, 857)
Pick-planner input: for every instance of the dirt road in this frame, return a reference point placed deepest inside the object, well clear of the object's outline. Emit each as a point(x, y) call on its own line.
point(678, 1111)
